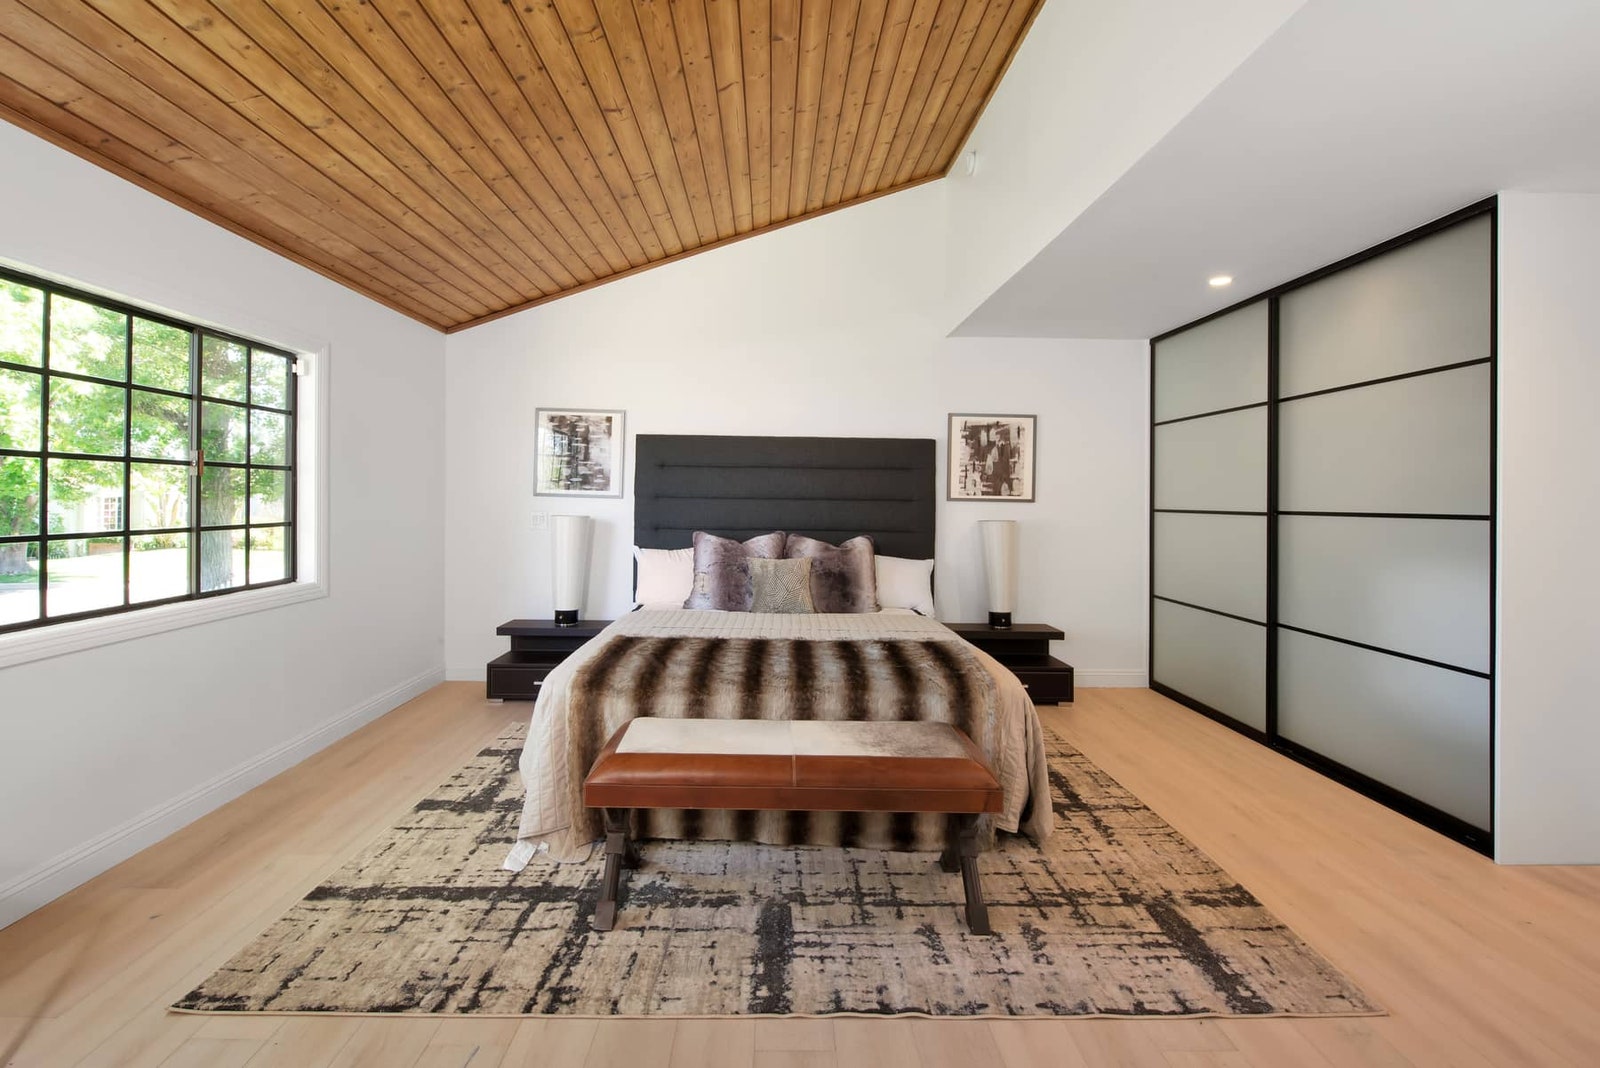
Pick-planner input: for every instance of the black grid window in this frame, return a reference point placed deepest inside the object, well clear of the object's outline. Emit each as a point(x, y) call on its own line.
point(143, 460)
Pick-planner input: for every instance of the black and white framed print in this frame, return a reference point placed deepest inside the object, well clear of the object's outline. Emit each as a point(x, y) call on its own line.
point(579, 453)
point(992, 457)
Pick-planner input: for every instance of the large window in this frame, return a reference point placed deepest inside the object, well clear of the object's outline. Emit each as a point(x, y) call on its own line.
point(143, 460)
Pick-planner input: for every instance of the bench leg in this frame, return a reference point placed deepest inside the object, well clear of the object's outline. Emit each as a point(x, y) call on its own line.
point(962, 853)
point(950, 859)
point(620, 853)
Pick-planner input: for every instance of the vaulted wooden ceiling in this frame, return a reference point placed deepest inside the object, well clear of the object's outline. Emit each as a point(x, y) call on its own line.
point(459, 159)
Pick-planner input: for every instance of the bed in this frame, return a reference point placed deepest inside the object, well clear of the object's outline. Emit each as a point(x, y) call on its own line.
point(877, 665)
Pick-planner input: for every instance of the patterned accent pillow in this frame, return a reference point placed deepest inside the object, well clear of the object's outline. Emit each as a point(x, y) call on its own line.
point(722, 569)
point(780, 586)
point(844, 577)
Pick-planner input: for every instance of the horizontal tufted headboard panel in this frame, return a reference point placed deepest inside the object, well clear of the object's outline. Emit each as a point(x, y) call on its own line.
point(828, 488)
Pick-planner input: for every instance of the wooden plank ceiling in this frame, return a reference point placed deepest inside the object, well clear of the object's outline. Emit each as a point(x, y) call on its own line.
point(459, 159)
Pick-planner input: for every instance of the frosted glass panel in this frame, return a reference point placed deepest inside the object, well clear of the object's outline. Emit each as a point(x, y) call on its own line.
point(1419, 445)
point(1219, 462)
point(1422, 730)
point(1220, 364)
point(1216, 561)
point(1218, 661)
point(1418, 586)
point(1423, 305)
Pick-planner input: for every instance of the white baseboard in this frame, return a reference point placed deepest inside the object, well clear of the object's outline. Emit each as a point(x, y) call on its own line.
point(1124, 678)
point(43, 884)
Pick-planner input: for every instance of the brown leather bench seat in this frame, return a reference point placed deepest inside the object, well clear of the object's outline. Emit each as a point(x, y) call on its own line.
point(792, 765)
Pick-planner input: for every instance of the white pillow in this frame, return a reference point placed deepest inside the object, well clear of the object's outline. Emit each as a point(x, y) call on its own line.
point(666, 577)
point(905, 584)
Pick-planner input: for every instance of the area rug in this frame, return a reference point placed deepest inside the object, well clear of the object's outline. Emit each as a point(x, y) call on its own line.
point(1116, 914)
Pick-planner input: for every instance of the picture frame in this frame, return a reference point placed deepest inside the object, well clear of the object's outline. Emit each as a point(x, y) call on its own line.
point(579, 452)
point(991, 457)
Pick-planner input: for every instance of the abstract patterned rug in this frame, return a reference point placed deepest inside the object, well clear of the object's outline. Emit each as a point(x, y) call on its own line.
point(1117, 914)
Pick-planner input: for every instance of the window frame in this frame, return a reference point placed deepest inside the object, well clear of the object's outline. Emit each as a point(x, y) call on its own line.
point(304, 499)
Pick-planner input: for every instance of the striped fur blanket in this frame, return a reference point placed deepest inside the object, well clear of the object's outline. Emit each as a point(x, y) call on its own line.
point(722, 665)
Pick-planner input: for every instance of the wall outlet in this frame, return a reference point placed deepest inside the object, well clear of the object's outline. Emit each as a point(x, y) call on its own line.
point(541, 521)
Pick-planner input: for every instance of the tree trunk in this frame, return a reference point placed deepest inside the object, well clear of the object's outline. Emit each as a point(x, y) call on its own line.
point(14, 559)
point(216, 560)
point(216, 546)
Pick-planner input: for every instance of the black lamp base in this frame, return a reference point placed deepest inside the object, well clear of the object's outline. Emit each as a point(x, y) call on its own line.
point(568, 618)
point(1000, 620)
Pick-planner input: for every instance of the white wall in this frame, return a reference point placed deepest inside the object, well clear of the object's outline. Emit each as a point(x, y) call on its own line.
point(1094, 86)
point(831, 327)
point(108, 750)
point(1548, 732)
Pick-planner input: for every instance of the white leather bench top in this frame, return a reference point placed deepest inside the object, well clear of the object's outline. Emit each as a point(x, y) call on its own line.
point(757, 737)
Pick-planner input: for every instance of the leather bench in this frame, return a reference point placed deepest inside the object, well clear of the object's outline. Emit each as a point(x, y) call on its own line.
point(800, 765)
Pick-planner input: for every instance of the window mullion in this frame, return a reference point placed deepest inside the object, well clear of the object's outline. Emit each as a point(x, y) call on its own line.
point(196, 462)
point(126, 509)
point(44, 456)
point(291, 480)
point(249, 429)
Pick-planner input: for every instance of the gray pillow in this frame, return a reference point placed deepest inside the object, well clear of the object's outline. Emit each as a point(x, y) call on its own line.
point(844, 577)
point(780, 585)
point(722, 569)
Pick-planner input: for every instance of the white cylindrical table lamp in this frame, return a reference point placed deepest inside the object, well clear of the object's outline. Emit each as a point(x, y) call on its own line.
point(1000, 568)
point(569, 553)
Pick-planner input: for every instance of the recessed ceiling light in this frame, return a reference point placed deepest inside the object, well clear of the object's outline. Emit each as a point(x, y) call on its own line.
point(1217, 281)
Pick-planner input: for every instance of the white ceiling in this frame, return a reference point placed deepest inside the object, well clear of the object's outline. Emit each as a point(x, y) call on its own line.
point(1358, 120)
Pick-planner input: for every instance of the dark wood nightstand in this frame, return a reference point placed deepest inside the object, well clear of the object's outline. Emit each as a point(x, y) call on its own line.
point(537, 646)
point(1025, 649)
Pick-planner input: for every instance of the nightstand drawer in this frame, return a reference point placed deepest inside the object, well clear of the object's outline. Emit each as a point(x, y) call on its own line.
point(1046, 685)
point(513, 679)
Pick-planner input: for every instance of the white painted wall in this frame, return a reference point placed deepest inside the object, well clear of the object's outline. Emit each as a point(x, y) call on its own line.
point(1281, 168)
point(1095, 85)
point(832, 327)
point(1548, 732)
point(108, 750)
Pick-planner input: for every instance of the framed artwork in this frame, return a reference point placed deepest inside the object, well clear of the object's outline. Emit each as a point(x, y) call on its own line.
point(579, 453)
point(992, 457)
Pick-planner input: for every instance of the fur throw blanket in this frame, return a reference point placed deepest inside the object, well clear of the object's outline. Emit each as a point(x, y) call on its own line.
point(761, 678)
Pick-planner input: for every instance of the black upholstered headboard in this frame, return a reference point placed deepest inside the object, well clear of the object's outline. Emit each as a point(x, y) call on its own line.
point(828, 488)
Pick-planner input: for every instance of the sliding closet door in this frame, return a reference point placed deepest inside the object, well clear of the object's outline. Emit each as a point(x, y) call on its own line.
point(1322, 527)
point(1385, 488)
point(1209, 526)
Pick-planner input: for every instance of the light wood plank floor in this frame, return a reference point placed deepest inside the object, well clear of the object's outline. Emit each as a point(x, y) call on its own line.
point(1479, 965)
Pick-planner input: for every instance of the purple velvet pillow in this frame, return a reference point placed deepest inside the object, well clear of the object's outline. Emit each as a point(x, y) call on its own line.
point(844, 577)
point(722, 570)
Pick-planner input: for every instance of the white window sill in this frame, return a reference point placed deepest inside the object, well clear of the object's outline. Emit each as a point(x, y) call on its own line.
point(62, 638)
